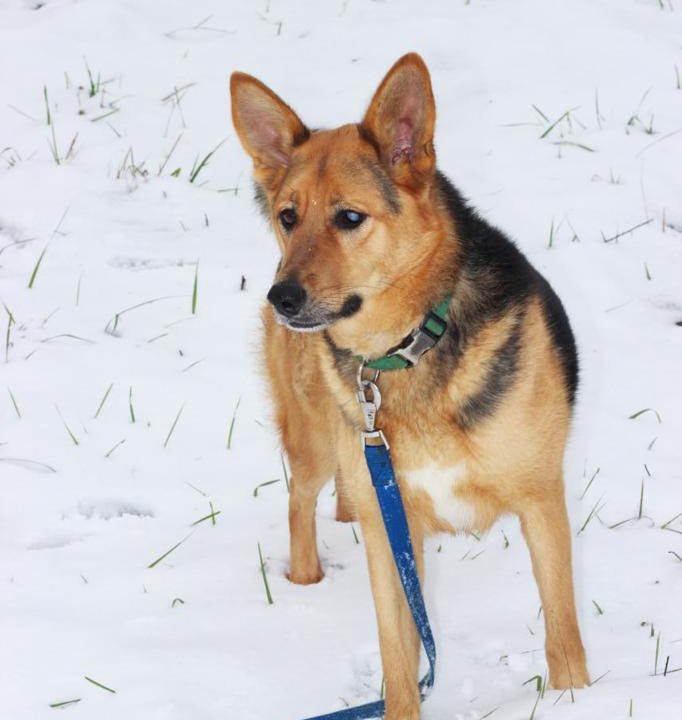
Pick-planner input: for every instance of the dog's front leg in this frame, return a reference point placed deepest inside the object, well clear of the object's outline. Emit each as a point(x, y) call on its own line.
point(309, 472)
point(345, 511)
point(398, 638)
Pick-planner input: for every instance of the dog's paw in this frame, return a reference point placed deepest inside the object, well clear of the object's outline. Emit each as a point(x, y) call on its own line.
point(344, 515)
point(305, 578)
point(575, 679)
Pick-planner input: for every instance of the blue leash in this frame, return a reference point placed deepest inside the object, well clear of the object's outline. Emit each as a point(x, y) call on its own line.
point(388, 494)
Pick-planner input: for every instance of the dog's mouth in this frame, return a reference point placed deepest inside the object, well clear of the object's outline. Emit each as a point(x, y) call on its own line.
point(301, 325)
point(313, 318)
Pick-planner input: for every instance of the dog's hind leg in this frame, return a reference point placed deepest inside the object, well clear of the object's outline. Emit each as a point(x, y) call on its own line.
point(545, 526)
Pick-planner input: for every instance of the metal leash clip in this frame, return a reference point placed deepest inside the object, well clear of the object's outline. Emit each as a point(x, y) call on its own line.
point(370, 406)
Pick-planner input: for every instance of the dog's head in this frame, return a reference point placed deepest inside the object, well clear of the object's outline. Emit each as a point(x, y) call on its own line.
point(351, 207)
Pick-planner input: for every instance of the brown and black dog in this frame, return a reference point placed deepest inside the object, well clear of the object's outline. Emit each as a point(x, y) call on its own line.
point(372, 237)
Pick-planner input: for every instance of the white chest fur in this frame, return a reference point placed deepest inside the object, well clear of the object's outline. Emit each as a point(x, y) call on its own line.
point(440, 482)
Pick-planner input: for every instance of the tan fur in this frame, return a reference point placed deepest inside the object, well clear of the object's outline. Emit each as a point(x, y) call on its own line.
point(400, 263)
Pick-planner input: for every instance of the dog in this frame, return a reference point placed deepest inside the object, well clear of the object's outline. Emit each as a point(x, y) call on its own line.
point(372, 237)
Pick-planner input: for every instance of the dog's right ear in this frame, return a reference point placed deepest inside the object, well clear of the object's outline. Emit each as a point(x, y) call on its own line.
point(401, 120)
point(267, 127)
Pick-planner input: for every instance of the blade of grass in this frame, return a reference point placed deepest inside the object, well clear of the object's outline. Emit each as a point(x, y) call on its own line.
point(111, 326)
point(168, 552)
point(641, 501)
point(556, 122)
point(10, 321)
point(284, 470)
point(36, 267)
point(102, 401)
point(587, 487)
point(211, 516)
point(99, 685)
point(48, 116)
point(657, 654)
point(14, 402)
point(603, 675)
point(74, 439)
point(230, 431)
point(65, 703)
point(172, 427)
point(666, 525)
point(31, 463)
point(111, 452)
point(268, 595)
point(172, 150)
point(535, 707)
point(195, 289)
point(634, 416)
point(130, 404)
point(264, 484)
point(593, 512)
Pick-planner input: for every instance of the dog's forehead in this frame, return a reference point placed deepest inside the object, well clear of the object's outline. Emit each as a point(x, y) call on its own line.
point(334, 163)
point(330, 152)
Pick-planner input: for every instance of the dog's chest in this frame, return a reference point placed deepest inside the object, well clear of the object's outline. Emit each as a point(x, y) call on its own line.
point(440, 483)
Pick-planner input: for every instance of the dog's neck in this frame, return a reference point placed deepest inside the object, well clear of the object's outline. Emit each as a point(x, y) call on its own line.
point(386, 319)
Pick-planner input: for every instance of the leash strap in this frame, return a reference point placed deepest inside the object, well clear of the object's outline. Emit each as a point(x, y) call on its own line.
point(393, 512)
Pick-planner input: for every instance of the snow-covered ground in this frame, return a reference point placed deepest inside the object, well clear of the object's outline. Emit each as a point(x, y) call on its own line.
point(561, 121)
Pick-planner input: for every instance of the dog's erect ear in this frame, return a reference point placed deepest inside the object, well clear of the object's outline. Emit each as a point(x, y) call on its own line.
point(401, 119)
point(267, 127)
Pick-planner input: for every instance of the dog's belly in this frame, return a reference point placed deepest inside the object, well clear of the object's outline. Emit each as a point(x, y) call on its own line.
point(439, 483)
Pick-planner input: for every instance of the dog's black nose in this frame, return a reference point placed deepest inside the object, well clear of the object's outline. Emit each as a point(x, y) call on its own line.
point(287, 297)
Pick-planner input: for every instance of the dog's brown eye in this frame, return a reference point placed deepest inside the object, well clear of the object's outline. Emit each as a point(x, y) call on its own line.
point(288, 218)
point(348, 219)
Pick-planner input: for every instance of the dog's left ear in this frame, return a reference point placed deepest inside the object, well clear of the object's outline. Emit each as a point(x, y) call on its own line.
point(401, 119)
point(267, 127)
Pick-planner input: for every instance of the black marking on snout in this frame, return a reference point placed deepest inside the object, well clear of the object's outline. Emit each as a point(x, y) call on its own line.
point(351, 305)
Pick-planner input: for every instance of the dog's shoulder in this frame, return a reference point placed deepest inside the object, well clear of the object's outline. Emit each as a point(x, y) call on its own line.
point(496, 280)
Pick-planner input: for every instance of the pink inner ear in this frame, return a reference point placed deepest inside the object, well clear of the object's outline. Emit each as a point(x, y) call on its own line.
point(265, 134)
point(407, 109)
point(403, 144)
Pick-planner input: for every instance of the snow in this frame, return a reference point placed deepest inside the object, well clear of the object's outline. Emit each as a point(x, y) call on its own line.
point(194, 636)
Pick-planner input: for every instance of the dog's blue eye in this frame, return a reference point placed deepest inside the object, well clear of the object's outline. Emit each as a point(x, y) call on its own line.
point(348, 219)
point(288, 218)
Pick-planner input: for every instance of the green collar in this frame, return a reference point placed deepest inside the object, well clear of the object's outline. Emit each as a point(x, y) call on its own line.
point(419, 341)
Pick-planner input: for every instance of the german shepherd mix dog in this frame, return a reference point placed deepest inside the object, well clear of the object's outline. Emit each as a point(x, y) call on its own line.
point(373, 237)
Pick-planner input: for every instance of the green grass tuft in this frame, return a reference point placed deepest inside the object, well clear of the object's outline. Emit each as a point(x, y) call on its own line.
point(198, 166)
